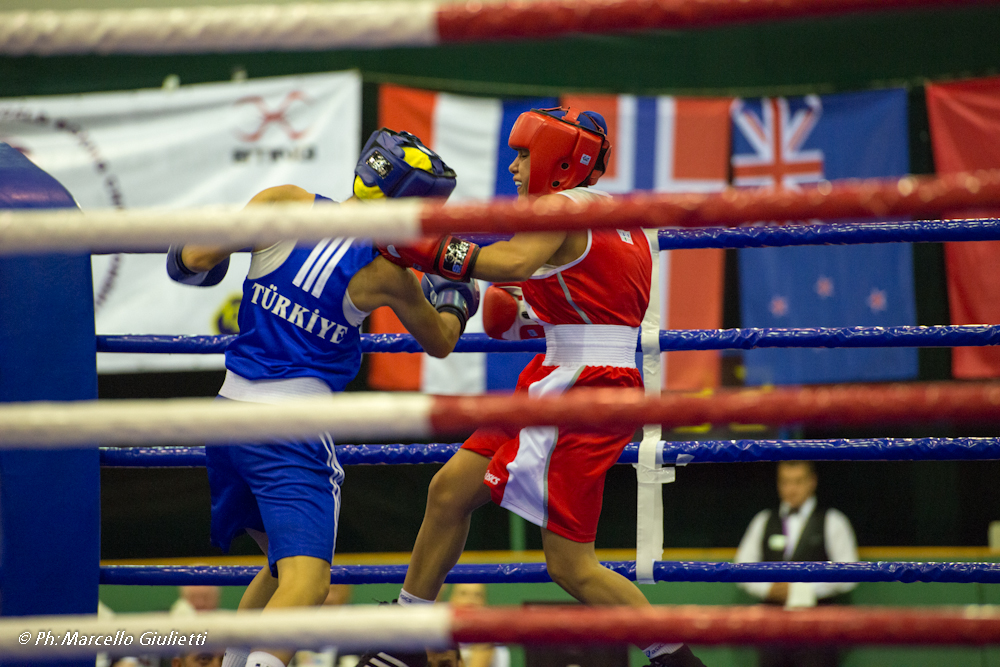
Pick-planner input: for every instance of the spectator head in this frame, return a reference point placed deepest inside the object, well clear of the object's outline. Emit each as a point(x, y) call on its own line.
point(449, 658)
point(468, 595)
point(197, 660)
point(796, 482)
point(201, 598)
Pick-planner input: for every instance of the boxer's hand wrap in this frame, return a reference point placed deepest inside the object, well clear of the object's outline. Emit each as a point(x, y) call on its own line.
point(178, 272)
point(448, 256)
point(505, 315)
point(460, 299)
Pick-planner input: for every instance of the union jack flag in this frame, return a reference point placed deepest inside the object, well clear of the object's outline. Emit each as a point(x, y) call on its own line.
point(768, 148)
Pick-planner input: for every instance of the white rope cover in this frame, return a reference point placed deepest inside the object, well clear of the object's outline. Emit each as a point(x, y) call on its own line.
point(291, 27)
point(199, 420)
point(359, 628)
point(332, 25)
point(109, 230)
point(354, 628)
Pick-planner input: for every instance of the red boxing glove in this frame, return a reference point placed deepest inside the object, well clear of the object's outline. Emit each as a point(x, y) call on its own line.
point(447, 256)
point(505, 315)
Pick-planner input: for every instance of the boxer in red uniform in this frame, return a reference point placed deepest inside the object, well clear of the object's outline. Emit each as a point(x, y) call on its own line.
point(587, 291)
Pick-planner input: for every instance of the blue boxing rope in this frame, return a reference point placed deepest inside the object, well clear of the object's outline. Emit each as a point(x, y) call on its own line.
point(919, 231)
point(793, 234)
point(681, 452)
point(674, 340)
point(533, 573)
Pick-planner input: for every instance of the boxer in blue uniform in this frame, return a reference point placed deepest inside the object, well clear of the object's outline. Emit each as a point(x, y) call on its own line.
point(300, 318)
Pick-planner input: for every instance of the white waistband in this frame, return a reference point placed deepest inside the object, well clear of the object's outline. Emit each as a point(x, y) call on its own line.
point(239, 388)
point(591, 345)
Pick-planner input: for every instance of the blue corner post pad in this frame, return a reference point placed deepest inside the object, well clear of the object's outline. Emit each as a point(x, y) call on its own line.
point(49, 500)
point(25, 185)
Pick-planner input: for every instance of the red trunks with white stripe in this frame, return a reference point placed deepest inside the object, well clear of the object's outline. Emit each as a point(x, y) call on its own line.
point(555, 477)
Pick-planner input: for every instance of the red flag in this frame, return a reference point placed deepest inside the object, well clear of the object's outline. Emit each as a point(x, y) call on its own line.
point(410, 110)
point(965, 135)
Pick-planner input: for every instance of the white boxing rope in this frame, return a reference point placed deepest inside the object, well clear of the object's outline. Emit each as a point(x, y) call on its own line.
point(354, 628)
point(331, 25)
point(110, 230)
point(650, 474)
point(237, 28)
point(58, 425)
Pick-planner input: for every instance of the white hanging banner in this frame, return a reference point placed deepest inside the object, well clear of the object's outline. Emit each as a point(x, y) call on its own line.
point(218, 143)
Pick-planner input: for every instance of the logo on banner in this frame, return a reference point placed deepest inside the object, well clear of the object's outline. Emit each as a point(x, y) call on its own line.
point(227, 318)
point(279, 120)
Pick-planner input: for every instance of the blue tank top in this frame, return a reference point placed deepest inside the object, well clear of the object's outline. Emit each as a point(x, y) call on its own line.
point(295, 320)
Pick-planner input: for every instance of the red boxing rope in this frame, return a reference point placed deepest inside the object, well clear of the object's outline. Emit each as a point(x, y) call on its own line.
point(725, 625)
point(476, 21)
point(618, 409)
point(910, 196)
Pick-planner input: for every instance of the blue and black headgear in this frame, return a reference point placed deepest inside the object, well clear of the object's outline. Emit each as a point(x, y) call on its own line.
point(397, 164)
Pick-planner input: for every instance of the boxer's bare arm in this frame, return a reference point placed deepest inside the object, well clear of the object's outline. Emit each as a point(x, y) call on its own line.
point(204, 258)
point(382, 283)
point(517, 259)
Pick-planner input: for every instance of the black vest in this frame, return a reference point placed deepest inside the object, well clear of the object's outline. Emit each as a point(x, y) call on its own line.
point(812, 543)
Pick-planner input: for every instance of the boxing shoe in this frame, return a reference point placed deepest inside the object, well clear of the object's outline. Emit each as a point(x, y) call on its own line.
point(393, 659)
point(682, 657)
point(377, 658)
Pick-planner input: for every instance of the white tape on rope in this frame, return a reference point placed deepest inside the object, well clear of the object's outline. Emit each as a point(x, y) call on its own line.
point(200, 420)
point(355, 628)
point(67, 230)
point(290, 27)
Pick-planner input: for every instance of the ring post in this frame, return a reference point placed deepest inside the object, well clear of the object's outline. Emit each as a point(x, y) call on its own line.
point(49, 500)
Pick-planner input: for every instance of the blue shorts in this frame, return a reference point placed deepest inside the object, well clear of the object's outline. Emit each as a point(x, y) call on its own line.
point(289, 490)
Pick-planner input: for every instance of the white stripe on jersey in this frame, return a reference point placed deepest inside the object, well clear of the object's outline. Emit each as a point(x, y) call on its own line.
point(565, 289)
point(330, 266)
point(318, 266)
point(300, 276)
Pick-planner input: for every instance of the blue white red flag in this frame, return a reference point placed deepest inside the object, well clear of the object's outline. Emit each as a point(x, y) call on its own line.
point(797, 143)
point(659, 143)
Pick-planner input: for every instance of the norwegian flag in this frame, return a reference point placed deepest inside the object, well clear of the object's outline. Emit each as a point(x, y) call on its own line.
point(796, 143)
point(663, 144)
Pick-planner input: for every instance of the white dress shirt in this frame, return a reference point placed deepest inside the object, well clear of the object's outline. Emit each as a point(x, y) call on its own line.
point(841, 545)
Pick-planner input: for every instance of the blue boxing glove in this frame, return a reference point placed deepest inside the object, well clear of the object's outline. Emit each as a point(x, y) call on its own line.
point(397, 164)
point(182, 274)
point(460, 299)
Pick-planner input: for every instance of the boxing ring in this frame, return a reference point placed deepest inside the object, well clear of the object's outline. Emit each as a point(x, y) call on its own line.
point(694, 221)
point(377, 415)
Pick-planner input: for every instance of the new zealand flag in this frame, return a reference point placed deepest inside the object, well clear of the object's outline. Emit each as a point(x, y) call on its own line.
point(792, 143)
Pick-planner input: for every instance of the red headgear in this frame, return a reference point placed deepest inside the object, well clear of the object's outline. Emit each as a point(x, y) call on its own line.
point(565, 152)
